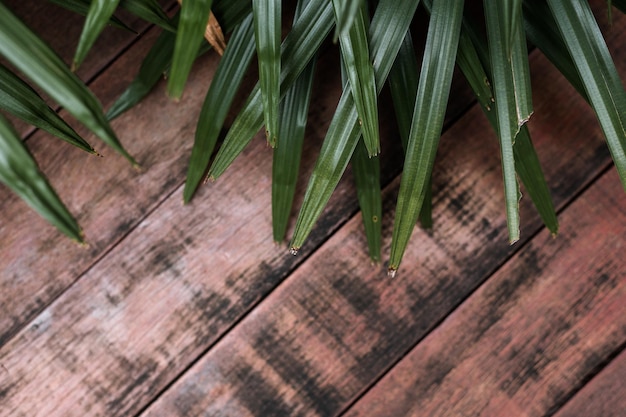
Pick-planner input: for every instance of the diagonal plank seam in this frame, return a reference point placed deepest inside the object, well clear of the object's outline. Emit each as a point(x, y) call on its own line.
point(505, 260)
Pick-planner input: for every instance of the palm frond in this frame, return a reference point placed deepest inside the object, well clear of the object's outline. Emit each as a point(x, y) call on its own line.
point(267, 27)
point(593, 61)
point(294, 109)
point(20, 100)
point(360, 74)
point(19, 172)
point(194, 15)
point(389, 26)
point(225, 84)
point(29, 54)
point(298, 48)
point(100, 11)
point(433, 89)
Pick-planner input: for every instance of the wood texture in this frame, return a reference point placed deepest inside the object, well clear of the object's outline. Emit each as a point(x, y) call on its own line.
point(533, 334)
point(603, 395)
point(193, 311)
point(106, 194)
point(170, 248)
point(337, 323)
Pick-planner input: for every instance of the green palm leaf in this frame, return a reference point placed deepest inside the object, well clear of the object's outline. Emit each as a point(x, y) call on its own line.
point(366, 172)
point(194, 15)
point(360, 73)
point(527, 163)
point(224, 86)
point(159, 59)
point(345, 13)
point(403, 81)
point(267, 27)
point(38, 62)
point(150, 11)
point(98, 15)
point(604, 89)
point(432, 93)
point(389, 26)
point(19, 99)
point(543, 32)
point(151, 71)
point(19, 172)
point(509, 112)
point(305, 38)
point(294, 109)
point(82, 8)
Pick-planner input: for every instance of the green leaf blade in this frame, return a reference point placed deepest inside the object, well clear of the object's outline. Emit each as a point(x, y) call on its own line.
point(82, 8)
point(194, 15)
point(98, 15)
point(356, 58)
point(403, 81)
point(19, 99)
point(150, 11)
point(389, 26)
point(267, 30)
point(366, 172)
point(434, 86)
point(527, 162)
point(601, 81)
point(286, 159)
point(298, 48)
point(287, 156)
point(346, 12)
point(19, 172)
point(29, 54)
point(224, 86)
point(507, 109)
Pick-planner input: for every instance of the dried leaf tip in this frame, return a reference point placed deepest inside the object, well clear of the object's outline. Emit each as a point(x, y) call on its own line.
point(294, 250)
point(214, 35)
point(391, 272)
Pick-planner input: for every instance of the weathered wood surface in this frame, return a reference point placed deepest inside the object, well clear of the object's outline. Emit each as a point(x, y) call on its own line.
point(533, 334)
point(603, 395)
point(111, 200)
point(337, 324)
point(149, 306)
point(106, 194)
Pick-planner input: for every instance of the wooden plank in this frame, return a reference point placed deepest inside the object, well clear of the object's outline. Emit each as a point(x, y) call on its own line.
point(142, 314)
point(330, 330)
point(111, 199)
point(107, 195)
point(44, 19)
point(603, 395)
point(533, 334)
point(161, 298)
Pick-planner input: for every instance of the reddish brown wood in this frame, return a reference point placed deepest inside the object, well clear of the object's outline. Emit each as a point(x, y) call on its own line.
point(533, 334)
point(337, 323)
point(106, 194)
point(216, 278)
point(603, 396)
point(166, 293)
point(110, 199)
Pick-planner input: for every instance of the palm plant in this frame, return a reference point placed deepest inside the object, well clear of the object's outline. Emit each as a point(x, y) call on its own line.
point(376, 49)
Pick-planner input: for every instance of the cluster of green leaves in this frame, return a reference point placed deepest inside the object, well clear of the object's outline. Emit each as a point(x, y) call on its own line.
point(376, 49)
